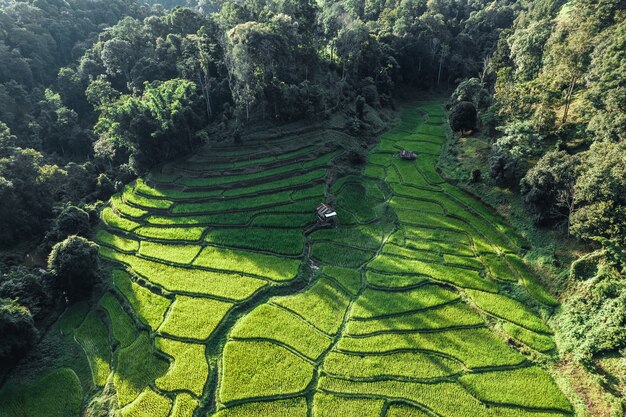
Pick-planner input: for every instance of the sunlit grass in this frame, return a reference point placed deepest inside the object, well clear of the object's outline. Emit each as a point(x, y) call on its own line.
point(269, 321)
point(149, 307)
point(445, 316)
point(322, 305)
point(93, 337)
point(474, 347)
point(233, 286)
point(148, 404)
point(122, 325)
point(272, 267)
point(374, 303)
point(194, 318)
point(137, 366)
point(259, 369)
point(188, 370)
point(120, 243)
point(530, 387)
point(184, 405)
point(181, 254)
point(293, 407)
point(111, 219)
point(508, 309)
point(416, 365)
point(327, 405)
point(537, 341)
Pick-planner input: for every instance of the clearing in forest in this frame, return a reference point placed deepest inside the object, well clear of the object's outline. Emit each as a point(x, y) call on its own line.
point(226, 302)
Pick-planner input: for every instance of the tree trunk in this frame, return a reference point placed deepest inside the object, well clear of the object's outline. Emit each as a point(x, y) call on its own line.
point(568, 98)
point(439, 72)
point(205, 92)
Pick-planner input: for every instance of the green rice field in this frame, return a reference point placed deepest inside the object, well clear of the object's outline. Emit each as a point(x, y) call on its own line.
point(225, 300)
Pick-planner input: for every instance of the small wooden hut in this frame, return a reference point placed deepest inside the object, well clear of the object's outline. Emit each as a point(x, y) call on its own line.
point(408, 155)
point(326, 214)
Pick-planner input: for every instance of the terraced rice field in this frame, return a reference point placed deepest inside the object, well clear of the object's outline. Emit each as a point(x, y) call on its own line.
point(226, 302)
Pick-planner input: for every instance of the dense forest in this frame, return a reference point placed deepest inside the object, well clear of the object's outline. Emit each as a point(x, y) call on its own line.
point(95, 93)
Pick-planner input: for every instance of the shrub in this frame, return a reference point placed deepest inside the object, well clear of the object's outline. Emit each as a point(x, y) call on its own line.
point(104, 187)
point(17, 328)
point(600, 192)
point(593, 320)
point(74, 264)
point(28, 287)
point(473, 91)
point(548, 187)
point(463, 116)
point(510, 151)
point(71, 220)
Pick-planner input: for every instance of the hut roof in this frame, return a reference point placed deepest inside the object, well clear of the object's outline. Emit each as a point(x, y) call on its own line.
point(325, 211)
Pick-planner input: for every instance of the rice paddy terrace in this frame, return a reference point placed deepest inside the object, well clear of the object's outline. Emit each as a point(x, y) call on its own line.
point(226, 302)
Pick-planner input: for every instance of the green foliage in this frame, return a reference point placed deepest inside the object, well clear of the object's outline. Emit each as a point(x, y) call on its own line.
point(600, 194)
point(71, 220)
point(74, 264)
point(143, 127)
point(56, 394)
point(463, 116)
point(30, 287)
point(471, 90)
point(511, 151)
point(608, 121)
point(16, 323)
point(548, 187)
point(592, 320)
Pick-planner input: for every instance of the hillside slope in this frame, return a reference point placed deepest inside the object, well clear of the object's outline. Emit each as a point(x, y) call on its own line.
point(226, 301)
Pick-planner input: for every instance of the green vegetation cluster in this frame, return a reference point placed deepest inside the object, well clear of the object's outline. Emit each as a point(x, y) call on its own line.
point(94, 93)
point(551, 114)
point(235, 304)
